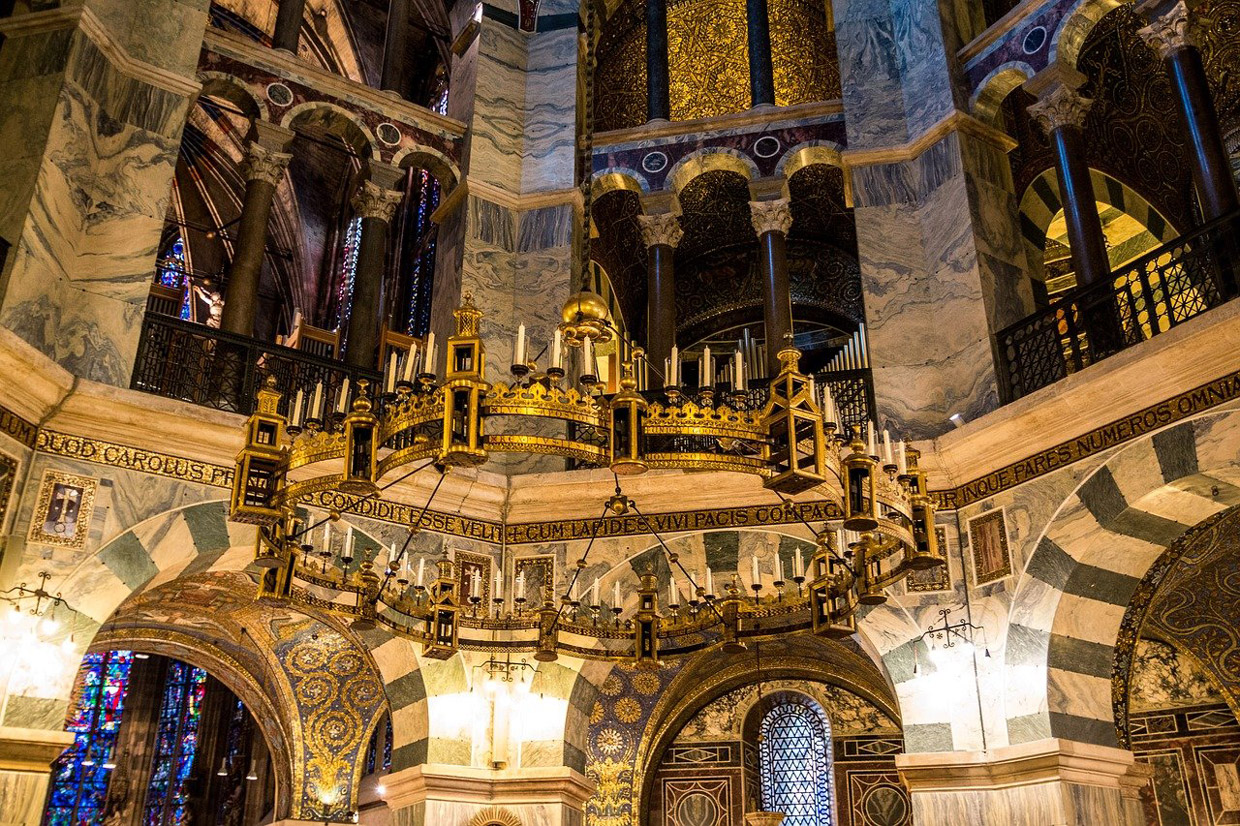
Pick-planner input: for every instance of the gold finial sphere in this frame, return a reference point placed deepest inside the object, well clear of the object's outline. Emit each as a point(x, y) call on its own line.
point(585, 306)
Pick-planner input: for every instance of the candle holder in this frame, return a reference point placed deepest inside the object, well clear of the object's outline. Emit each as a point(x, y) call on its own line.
point(520, 371)
point(617, 611)
point(555, 374)
point(757, 591)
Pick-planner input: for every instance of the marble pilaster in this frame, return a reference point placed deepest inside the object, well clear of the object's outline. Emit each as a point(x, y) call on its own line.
point(435, 794)
point(103, 101)
point(26, 756)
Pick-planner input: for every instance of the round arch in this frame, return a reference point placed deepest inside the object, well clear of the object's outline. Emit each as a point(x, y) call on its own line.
point(712, 159)
point(994, 89)
point(1074, 28)
point(234, 90)
point(1087, 564)
point(334, 120)
point(441, 167)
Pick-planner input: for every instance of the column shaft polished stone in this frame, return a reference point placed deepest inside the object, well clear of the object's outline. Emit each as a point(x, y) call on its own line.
point(761, 70)
point(288, 25)
point(263, 169)
point(772, 220)
point(661, 234)
point(1170, 34)
point(377, 206)
point(395, 46)
point(658, 95)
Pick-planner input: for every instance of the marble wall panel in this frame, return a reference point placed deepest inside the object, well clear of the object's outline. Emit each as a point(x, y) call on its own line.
point(498, 124)
point(549, 143)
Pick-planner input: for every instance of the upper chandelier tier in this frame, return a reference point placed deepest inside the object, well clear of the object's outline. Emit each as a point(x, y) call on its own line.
point(787, 433)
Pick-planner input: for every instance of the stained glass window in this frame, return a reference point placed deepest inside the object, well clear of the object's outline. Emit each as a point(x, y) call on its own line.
point(236, 766)
point(422, 273)
point(172, 270)
point(80, 776)
point(176, 741)
point(795, 764)
point(348, 271)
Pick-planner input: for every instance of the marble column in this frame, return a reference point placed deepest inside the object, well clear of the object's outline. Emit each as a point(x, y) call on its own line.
point(761, 69)
point(1031, 784)
point(289, 15)
point(25, 769)
point(101, 92)
point(1170, 34)
point(395, 46)
point(1060, 111)
point(661, 234)
point(658, 83)
point(771, 221)
point(263, 169)
point(376, 205)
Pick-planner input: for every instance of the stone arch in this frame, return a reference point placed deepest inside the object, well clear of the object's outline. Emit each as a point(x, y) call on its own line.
point(711, 159)
point(1074, 28)
point(995, 87)
point(337, 121)
point(199, 539)
point(440, 166)
point(1066, 614)
point(234, 90)
point(319, 680)
point(806, 154)
point(618, 178)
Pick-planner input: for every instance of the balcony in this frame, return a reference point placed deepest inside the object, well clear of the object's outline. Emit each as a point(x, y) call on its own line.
point(1162, 289)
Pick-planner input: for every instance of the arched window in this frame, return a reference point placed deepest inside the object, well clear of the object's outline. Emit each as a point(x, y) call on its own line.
point(795, 763)
point(80, 776)
point(348, 271)
point(176, 742)
point(172, 270)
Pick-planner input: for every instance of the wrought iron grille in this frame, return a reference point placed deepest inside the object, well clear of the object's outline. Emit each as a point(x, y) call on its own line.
point(795, 767)
point(193, 363)
point(1164, 288)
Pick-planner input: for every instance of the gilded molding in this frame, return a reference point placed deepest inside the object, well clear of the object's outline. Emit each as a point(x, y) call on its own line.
point(373, 201)
point(263, 164)
point(132, 458)
point(771, 216)
point(13, 425)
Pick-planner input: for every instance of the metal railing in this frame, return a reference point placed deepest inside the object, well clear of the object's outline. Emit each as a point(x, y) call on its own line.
point(1163, 288)
point(202, 365)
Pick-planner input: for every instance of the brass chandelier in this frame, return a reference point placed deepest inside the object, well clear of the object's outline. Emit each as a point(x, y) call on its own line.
point(790, 436)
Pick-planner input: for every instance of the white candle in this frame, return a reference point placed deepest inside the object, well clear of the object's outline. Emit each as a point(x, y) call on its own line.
point(813, 390)
point(391, 373)
point(588, 367)
point(594, 599)
point(779, 567)
point(888, 458)
point(296, 412)
point(674, 373)
point(348, 542)
point(615, 594)
point(476, 584)
point(841, 540)
point(343, 400)
point(520, 357)
point(421, 570)
point(572, 591)
point(870, 443)
point(738, 370)
point(498, 591)
point(710, 581)
point(673, 598)
point(327, 537)
point(521, 585)
point(316, 409)
point(753, 570)
point(428, 366)
point(557, 343)
point(707, 379)
point(798, 564)
point(865, 357)
point(407, 377)
point(828, 404)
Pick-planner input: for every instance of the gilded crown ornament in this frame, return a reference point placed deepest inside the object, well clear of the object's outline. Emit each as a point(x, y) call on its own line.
point(300, 450)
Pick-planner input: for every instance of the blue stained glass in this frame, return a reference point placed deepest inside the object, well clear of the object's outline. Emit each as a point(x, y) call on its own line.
point(173, 271)
point(422, 272)
point(348, 271)
point(795, 763)
point(176, 742)
point(79, 786)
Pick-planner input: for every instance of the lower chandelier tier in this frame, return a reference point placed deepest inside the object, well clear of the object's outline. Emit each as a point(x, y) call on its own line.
point(792, 440)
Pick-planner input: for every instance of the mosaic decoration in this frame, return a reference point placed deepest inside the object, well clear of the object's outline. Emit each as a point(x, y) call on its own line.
point(80, 782)
point(539, 571)
point(988, 540)
point(803, 53)
point(63, 510)
point(469, 565)
point(620, 78)
point(708, 58)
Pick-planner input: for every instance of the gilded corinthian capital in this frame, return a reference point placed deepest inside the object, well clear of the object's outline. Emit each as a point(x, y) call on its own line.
point(771, 216)
point(263, 164)
point(373, 201)
point(1059, 106)
point(660, 229)
point(1170, 31)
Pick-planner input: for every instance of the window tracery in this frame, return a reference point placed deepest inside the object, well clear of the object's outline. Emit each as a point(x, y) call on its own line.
point(795, 764)
point(176, 742)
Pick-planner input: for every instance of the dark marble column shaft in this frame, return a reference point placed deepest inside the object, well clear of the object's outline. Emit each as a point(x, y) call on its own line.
point(658, 95)
point(661, 234)
point(289, 15)
point(376, 205)
point(395, 47)
point(1170, 33)
point(263, 168)
point(771, 221)
point(761, 69)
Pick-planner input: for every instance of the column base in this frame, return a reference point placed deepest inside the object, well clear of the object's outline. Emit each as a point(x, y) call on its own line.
point(26, 757)
point(461, 794)
point(1049, 781)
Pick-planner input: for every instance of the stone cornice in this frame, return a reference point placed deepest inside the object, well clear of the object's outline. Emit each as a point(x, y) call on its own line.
point(999, 30)
point(89, 23)
point(1027, 764)
point(286, 65)
point(31, 750)
point(502, 197)
point(723, 124)
point(465, 784)
point(957, 121)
